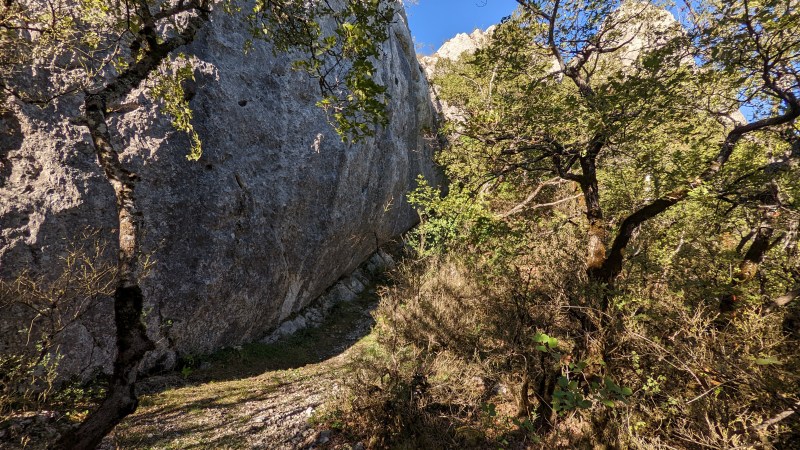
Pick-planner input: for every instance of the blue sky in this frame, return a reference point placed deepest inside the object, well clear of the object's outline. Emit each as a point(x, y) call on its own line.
point(433, 22)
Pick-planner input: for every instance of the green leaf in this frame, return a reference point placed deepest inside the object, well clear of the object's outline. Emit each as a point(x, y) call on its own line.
point(767, 361)
point(626, 391)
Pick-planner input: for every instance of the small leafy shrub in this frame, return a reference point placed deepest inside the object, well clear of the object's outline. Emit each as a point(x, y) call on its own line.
point(35, 310)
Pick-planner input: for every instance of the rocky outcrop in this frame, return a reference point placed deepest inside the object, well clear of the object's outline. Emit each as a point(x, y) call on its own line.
point(274, 213)
point(452, 50)
point(460, 44)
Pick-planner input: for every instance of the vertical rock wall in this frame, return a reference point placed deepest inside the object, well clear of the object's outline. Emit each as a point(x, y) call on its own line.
point(276, 210)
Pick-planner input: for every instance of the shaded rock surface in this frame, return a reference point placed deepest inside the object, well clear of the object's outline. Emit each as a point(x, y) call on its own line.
point(275, 212)
point(347, 289)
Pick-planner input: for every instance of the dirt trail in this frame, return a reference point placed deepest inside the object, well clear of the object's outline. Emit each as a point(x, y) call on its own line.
point(258, 396)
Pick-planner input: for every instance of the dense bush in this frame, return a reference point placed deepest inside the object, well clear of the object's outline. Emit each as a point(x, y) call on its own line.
point(615, 261)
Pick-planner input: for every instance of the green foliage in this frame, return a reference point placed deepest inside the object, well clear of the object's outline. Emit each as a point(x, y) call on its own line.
point(546, 343)
point(339, 46)
point(567, 397)
point(737, 57)
point(168, 88)
point(43, 307)
point(446, 221)
point(558, 111)
point(93, 41)
point(26, 380)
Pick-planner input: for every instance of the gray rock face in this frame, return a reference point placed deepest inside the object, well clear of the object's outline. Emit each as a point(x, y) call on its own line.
point(346, 289)
point(276, 210)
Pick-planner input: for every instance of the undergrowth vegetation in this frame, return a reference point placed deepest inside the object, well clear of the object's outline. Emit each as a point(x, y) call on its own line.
point(45, 307)
point(42, 313)
point(482, 346)
point(615, 261)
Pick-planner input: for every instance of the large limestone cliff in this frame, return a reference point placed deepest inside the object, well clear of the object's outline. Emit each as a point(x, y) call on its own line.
point(276, 211)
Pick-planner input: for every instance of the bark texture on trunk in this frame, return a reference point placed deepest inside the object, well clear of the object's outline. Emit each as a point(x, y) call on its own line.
point(596, 248)
point(132, 344)
point(131, 334)
point(523, 403)
point(545, 416)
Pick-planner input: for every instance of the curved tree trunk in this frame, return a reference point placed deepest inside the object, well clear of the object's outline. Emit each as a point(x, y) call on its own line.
point(131, 334)
point(612, 266)
point(596, 249)
point(132, 344)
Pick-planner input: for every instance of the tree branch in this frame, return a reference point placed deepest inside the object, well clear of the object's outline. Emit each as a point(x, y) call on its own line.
point(613, 264)
point(521, 206)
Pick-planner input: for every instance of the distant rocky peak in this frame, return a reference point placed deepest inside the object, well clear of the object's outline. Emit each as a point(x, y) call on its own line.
point(464, 43)
point(640, 27)
point(457, 46)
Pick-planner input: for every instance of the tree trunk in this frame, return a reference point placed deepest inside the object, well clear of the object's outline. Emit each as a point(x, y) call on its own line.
point(547, 385)
point(596, 236)
point(131, 334)
point(132, 344)
point(762, 242)
point(523, 404)
point(596, 249)
point(612, 266)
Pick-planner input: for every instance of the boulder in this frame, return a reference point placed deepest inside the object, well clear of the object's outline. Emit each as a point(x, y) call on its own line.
point(275, 212)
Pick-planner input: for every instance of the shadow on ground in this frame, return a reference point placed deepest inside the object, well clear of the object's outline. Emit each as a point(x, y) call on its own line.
point(346, 323)
point(255, 396)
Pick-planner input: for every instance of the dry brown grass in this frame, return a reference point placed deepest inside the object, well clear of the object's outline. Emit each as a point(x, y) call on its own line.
point(452, 348)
